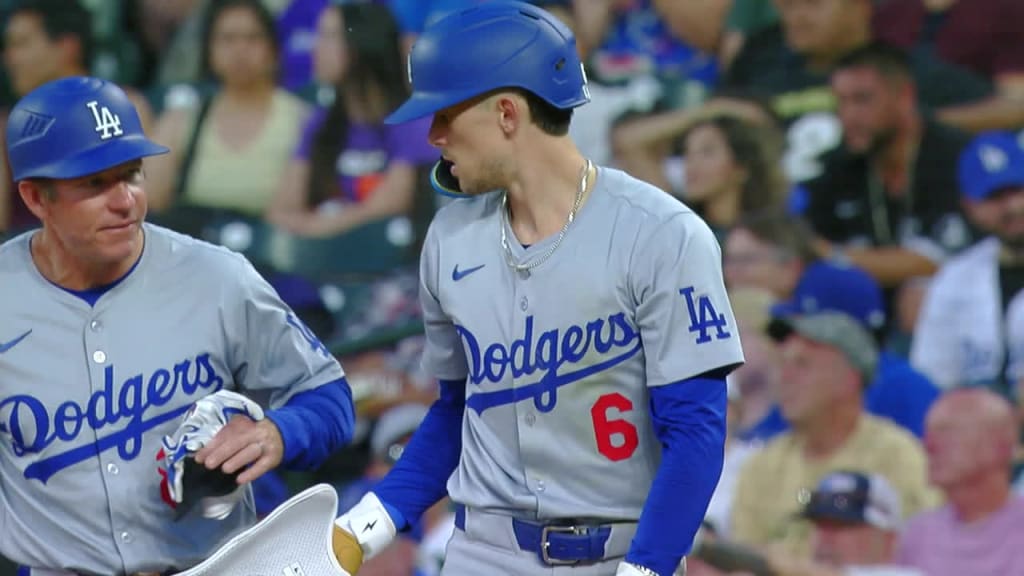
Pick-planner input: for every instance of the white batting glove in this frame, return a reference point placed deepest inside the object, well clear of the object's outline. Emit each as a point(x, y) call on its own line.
point(370, 523)
point(198, 426)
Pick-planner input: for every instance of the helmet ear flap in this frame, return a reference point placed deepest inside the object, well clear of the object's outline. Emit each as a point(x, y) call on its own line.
point(443, 182)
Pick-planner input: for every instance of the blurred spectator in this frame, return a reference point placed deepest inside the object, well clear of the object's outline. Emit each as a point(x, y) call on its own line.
point(156, 24)
point(230, 150)
point(888, 199)
point(791, 64)
point(856, 520)
point(981, 35)
point(731, 163)
point(45, 40)
point(350, 168)
point(297, 34)
point(390, 435)
point(896, 391)
point(768, 250)
point(828, 359)
point(970, 442)
point(754, 386)
point(745, 18)
point(971, 327)
point(699, 23)
point(751, 389)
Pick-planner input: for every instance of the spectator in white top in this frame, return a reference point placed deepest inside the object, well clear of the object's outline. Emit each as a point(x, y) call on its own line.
point(970, 331)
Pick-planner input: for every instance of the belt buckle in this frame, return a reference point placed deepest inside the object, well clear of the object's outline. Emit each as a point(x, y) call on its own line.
point(547, 529)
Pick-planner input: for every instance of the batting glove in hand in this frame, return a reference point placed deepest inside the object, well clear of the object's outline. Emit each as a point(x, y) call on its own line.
point(362, 532)
point(184, 482)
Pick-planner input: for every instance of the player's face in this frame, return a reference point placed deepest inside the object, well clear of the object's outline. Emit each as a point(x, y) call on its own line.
point(750, 262)
point(330, 57)
point(711, 169)
point(241, 54)
point(807, 370)
point(1002, 214)
point(840, 544)
point(868, 108)
point(30, 57)
point(469, 136)
point(814, 26)
point(98, 218)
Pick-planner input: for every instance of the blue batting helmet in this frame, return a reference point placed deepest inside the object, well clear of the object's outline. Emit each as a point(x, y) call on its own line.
point(73, 127)
point(497, 44)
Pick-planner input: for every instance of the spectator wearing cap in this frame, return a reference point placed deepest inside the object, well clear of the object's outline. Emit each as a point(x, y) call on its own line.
point(970, 441)
point(856, 519)
point(827, 358)
point(897, 391)
point(970, 331)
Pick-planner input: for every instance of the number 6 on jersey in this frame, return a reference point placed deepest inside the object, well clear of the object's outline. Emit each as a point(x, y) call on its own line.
point(607, 428)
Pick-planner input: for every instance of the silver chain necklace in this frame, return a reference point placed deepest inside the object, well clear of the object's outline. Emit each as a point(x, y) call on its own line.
point(510, 258)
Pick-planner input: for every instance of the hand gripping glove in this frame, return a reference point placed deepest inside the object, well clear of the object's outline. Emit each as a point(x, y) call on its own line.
point(362, 532)
point(186, 483)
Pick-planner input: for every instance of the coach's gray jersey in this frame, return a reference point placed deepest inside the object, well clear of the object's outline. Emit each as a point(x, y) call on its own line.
point(558, 359)
point(86, 394)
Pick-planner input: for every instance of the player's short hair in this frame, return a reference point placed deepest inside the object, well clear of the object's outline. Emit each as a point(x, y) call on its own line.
point(61, 18)
point(790, 234)
point(551, 120)
point(889, 61)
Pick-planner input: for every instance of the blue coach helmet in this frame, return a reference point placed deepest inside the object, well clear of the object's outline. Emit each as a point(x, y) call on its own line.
point(497, 44)
point(73, 127)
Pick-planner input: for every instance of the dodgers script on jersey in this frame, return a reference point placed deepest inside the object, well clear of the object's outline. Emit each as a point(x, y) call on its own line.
point(86, 394)
point(558, 359)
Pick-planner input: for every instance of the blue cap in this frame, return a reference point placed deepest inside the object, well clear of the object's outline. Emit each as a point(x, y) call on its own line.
point(993, 161)
point(833, 286)
point(73, 127)
point(855, 497)
point(497, 44)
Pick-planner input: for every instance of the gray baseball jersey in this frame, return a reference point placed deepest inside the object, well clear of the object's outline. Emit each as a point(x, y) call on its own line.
point(559, 359)
point(86, 394)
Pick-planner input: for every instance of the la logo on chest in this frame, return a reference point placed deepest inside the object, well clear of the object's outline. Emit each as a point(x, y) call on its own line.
point(108, 124)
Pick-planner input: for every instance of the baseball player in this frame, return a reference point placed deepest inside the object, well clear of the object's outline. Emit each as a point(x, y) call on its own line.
point(576, 318)
point(114, 329)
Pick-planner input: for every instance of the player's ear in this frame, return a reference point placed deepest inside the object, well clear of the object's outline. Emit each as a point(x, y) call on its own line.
point(36, 196)
point(512, 111)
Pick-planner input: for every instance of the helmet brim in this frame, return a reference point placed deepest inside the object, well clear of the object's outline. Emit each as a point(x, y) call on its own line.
point(97, 159)
point(423, 104)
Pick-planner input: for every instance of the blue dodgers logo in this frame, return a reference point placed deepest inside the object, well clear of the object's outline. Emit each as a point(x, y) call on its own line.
point(547, 354)
point(31, 427)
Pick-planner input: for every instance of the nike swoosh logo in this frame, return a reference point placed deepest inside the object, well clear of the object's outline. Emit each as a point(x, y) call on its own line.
point(460, 274)
point(8, 345)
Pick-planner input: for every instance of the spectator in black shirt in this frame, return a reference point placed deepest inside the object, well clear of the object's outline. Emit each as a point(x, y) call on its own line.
point(888, 199)
point(791, 63)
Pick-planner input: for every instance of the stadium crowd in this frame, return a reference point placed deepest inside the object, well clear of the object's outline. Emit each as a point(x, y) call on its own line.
point(861, 162)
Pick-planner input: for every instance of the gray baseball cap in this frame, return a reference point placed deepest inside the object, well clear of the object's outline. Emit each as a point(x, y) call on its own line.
point(834, 329)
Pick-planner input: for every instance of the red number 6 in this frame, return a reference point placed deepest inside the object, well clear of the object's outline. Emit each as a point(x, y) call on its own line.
point(606, 429)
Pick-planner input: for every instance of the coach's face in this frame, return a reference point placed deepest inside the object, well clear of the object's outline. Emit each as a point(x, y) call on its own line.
point(475, 135)
point(96, 219)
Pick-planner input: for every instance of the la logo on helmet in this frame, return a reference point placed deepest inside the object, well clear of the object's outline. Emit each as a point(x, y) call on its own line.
point(108, 124)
